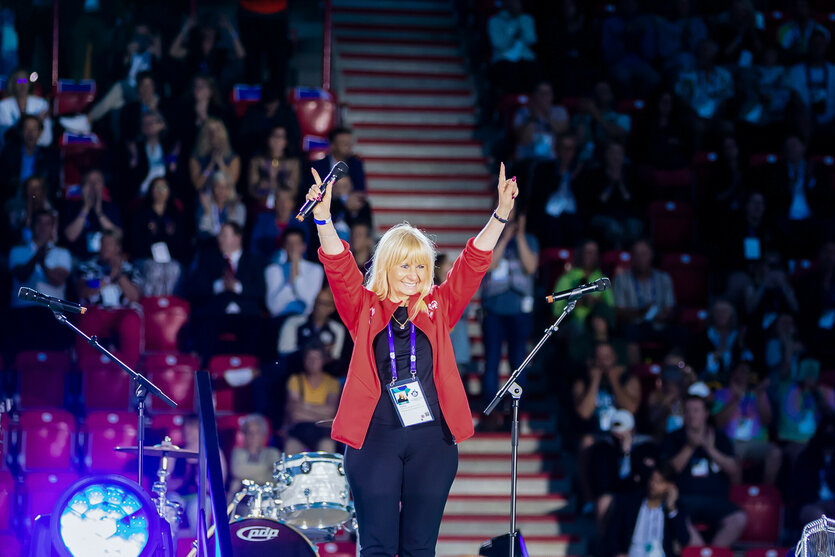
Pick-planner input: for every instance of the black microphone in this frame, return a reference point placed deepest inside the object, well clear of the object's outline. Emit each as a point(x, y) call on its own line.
point(55, 304)
point(339, 170)
point(599, 285)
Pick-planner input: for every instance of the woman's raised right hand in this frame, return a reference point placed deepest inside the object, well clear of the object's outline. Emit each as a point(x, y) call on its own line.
point(322, 210)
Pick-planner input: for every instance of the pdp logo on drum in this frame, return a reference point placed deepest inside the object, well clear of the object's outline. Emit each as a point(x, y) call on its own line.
point(257, 533)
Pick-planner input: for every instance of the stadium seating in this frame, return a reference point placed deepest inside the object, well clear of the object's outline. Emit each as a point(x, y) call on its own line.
point(232, 376)
point(174, 375)
point(47, 440)
point(672, 225)
point(103, 431)
point(105, 386)
point(42, 378)
point(764, 507)
point(165, 317)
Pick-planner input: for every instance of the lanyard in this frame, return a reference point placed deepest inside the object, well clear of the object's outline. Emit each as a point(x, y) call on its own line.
point(412, 357)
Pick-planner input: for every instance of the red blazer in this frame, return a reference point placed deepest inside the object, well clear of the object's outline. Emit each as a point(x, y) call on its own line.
point(366, 316)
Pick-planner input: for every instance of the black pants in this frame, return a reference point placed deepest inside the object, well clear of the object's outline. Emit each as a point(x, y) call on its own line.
point(400, 480)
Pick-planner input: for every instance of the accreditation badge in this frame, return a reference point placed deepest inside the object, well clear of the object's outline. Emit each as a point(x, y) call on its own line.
point(409, 401)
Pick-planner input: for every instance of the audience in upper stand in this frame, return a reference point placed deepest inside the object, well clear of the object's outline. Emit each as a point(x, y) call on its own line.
point(262, 118)
point(816, 301)
point(219, 204)
point(85, 220)
point(661, 139)
point(538, 124)
point(629, 48)
point(362, 245)
point(679, 37)
point(147, 99)
point(213, 154)
point(598, 123)
point(272, 170)
point(111, 286)
point(147, 158)
point(198, 49)
point(795, 35)
point(292, 281)
point(813, 482)
point(803, 404)
point(32, 197)
point(512, 33)
point(664, 407)
point(341, 148)
point(813, 81)
point(199, 141)
point(23, 157)
point(21, 100)
point(718, 350)
point(738, 32)
point(268, 232)
point(264, 28)
point(585, 270)
point(320, 326)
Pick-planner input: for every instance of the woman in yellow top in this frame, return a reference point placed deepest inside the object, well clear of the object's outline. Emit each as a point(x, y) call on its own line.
point(312, 395)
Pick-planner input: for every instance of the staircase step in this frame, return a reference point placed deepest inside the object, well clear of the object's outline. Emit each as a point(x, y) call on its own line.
point(423, 19)
point(537, 546)
point(410, 100)
point(401, 5)
point(404, 150)
point(500, 463)
point(369, 47)
point(379, 116)
point(499, 443)
point(500, 504)
point(419, 200)
point(416, 66)
point(428, 166)
point(489, 526)
point(499, 484)
point(383, 42)
point(413, 33)
point(357, 78)
point(416, 183)
point(400, 57)
point(428, 219)
point(412, 132)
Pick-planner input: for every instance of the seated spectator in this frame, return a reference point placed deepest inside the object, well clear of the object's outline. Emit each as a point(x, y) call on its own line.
point(86, 219)
point(459, 334)
point(553, 199)
point(738, 32)
point(212, 154)
point(764, 97)
point(718, 350)
point(743, 412)
point(727, 183)
point(813, 81)
point(598, 330)
point(795, 35)
point(110, 286)
point(748, 236)
point(538, 124)
point(145, 159)
point(586, 270)
point(41, 265)
point(159, 240)
point(614, 200)
point(803, 403)
point(706, 90)
point(813, 481)
point(598, 124)
point(268, 233)
point(219, 204)
point(703, 458)
point(621, 463)
point(648, 523)
point(362, 245)
point(33, 196)
point(262, 118)
point(292, 281)
point(665, 405)
point(201, 105)
point(679, 37)
point(605, 388)
point(644, 297)
point(800, 197)
point(312, 396)
point(507, 300)
point(198, 49)
point(662, 140)
point(255, 459)
point(816, 300)
point(512, 33)
point(273, 170)
point(20, 101)
point(147, 100)
point(768, 294)
point(226, 289)
point(320, 326)
point(629, 47)
point(22, 158)
point(341, 141)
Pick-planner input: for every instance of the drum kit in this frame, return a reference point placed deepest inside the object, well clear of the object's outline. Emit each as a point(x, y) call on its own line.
point(307, 502)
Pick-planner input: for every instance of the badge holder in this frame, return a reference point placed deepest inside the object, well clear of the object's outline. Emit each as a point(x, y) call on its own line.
point(516, 393)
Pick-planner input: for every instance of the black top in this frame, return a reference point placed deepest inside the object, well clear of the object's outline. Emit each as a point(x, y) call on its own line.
point(385, 414)
point(701, 475)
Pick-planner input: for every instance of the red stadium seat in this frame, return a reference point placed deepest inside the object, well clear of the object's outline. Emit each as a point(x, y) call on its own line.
point(80, 153)
point(105, 385)
point(42, 377)
point(827, 163)
point(670, 184)
point(104, 431)
point(42, 489)
point(10, 544)
point(764, 507)
point(232, 375)
point(553, 262)
point(689, 273)
point(614, 262)
point(768, 552)
point(694, 319)
point(165, 316)
point(174, 374)
point(317, 112)
point(7, 500)
point(47, 439)
point(632, 107)
point(170, 425)
point(761, 159)
point(672, 225)
point(72, 97)
point(243, 96)
point(706, 551)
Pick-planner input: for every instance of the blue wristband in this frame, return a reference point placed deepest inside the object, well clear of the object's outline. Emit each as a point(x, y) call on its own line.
point(321, 222)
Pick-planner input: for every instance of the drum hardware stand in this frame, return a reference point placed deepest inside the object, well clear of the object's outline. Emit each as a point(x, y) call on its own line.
point(160, 487)
point(516, 393)
point(143, 387)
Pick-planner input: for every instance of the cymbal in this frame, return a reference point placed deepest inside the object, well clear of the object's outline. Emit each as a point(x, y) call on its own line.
point(324, 423)
point(162, 450)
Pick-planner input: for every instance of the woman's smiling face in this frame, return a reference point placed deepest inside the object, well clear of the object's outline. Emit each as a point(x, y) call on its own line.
point(406, 280)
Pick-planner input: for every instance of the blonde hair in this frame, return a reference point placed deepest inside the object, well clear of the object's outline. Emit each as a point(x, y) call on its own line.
point(400, 243)
point(204, 146)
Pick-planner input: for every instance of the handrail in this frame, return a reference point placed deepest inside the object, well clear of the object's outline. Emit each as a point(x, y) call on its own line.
point(327, 45)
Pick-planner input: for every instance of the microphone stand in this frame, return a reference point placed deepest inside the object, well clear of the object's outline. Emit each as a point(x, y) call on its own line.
point(516, 393)
point(143, 387)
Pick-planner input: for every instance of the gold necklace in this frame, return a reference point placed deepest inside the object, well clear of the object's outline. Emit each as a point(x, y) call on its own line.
point(402, 325)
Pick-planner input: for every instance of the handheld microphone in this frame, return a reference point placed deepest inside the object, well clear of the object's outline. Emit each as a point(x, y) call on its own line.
point(599, 285)
point(55, 304)
point(339, 170)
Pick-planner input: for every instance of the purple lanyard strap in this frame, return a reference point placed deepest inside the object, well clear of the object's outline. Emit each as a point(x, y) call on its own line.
point(412, 356)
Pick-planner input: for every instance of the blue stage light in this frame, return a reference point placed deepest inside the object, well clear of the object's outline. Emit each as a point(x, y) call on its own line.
point(105, 515)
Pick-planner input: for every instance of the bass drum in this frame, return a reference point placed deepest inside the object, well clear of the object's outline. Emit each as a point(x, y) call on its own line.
point(262, 537)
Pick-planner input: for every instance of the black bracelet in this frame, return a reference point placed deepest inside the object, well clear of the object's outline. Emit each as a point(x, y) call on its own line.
point(498, 218)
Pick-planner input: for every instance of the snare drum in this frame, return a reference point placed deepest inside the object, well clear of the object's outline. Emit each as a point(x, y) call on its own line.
point(258, 537)
point(316, 493)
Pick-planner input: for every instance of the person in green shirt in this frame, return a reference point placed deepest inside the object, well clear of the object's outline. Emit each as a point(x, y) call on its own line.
point(585, 270)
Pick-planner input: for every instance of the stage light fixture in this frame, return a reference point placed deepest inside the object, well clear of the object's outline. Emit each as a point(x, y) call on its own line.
point(105, 515)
